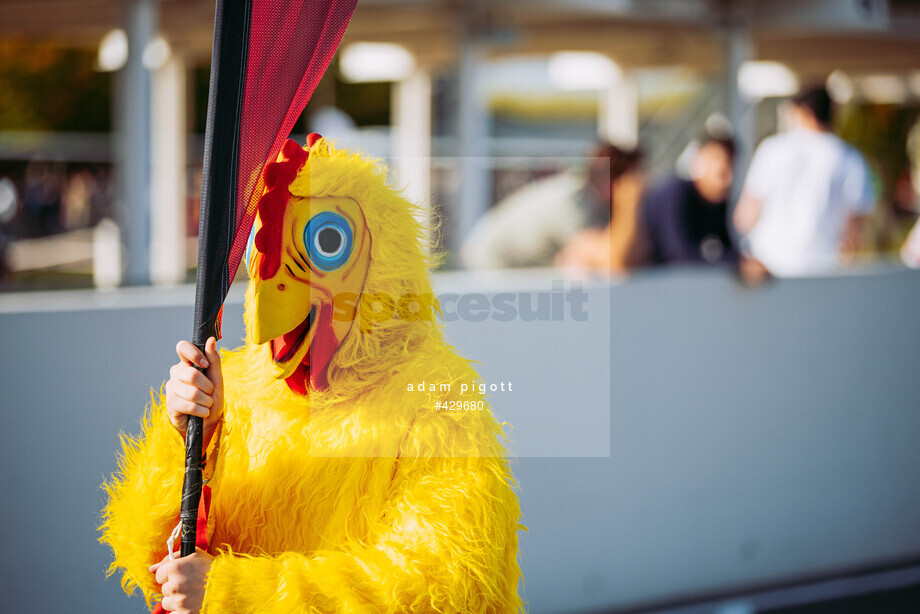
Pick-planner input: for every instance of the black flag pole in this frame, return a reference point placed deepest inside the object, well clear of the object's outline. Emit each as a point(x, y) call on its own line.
point(216, 227)
point(267, 59)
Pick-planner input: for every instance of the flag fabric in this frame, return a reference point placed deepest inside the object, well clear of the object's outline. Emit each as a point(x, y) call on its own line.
point(268, 57)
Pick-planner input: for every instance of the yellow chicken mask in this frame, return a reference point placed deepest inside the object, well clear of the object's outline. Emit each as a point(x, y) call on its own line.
point(316, 269)
point(309, 250)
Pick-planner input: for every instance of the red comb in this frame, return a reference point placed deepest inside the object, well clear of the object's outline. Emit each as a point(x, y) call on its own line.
point(272, 204)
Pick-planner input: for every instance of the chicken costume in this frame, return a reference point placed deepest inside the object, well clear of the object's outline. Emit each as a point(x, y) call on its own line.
point(336, 486)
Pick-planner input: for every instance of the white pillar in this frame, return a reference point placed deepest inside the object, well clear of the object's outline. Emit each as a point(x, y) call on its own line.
point(168, 173)
point(411, 121)
point(132, 162)
point(618, 113)
point(472, 139)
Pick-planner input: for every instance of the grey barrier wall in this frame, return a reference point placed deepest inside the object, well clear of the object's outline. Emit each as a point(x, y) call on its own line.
point(754, 436)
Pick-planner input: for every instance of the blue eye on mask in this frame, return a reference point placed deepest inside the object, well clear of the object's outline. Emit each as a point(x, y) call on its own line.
point(328, 239)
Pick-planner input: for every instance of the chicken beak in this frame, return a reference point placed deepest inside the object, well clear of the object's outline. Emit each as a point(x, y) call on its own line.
point(279, 307)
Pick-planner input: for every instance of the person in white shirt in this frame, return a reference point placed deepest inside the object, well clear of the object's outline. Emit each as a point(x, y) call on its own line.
point(806, 195)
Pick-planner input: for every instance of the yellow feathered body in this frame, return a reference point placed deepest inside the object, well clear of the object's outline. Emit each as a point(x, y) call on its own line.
point(361, 497)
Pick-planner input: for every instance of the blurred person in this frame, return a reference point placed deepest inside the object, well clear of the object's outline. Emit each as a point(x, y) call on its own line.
point(529, 227)
point(77, 199)
point(686, 220)
point(618, 247)
point(42, 198)
point(806, 195)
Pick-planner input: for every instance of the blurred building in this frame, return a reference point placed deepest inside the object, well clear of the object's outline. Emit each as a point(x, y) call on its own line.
point(469, 100)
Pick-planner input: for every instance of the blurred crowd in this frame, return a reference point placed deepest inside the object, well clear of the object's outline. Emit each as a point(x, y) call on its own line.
point(804, 206)
point(49, 198)
point(804, 203)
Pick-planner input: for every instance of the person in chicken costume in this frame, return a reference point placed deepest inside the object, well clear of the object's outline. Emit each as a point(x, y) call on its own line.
point(332, 484)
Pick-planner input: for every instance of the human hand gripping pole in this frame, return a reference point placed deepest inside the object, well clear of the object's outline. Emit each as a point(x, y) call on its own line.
point(195, 395)
point(194, 400)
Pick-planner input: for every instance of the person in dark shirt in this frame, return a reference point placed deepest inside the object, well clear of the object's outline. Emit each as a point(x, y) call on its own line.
point(686, 220)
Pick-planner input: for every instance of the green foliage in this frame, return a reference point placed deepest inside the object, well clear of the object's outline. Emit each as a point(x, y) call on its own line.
point(880, 133)
point(48, 87)
point(367, 103)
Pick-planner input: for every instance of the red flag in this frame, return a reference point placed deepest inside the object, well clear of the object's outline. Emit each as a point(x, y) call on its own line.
point(268, 57)
point(290, 46)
